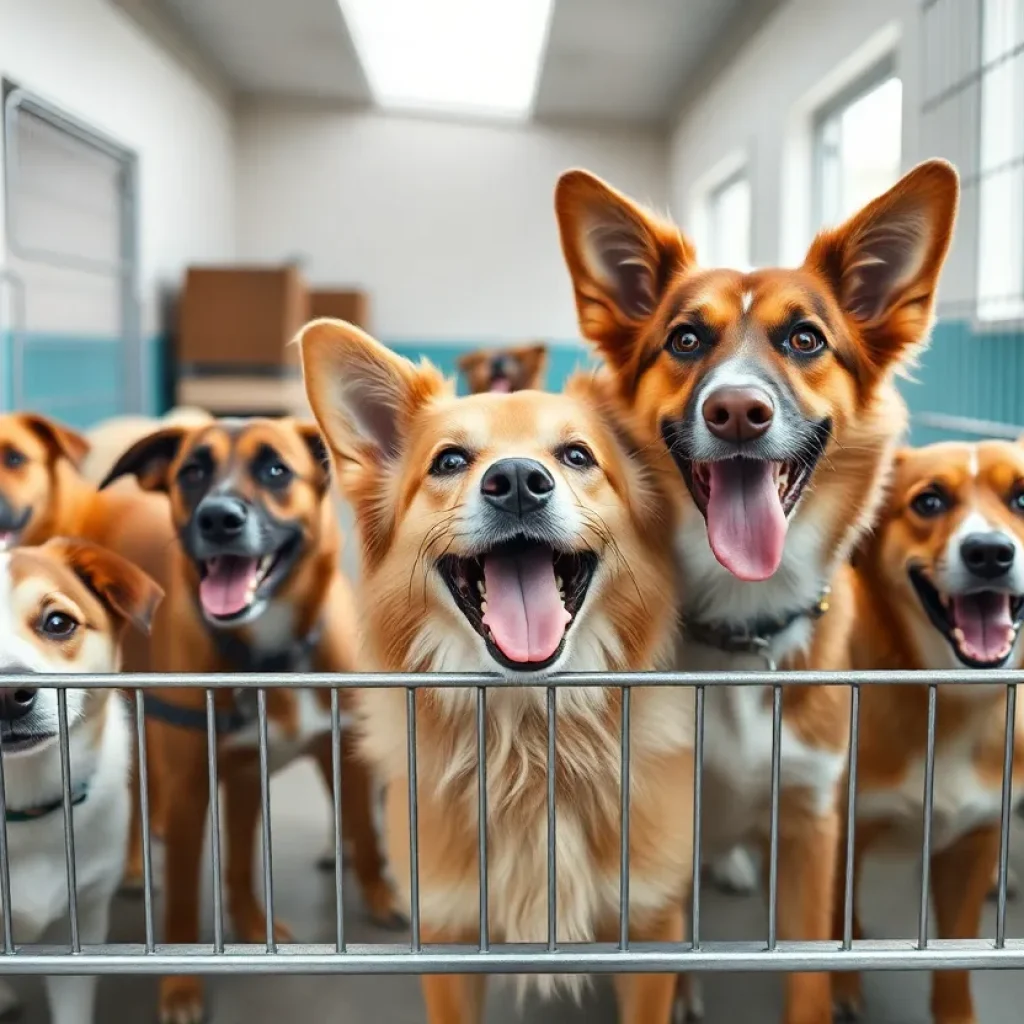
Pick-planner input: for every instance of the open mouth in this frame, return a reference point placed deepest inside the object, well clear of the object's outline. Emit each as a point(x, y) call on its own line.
point(981, 627)
point(501, 384)
point(522, 597)
point(231, 585)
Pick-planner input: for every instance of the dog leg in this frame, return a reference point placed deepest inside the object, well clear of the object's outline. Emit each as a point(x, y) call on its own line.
point(358, 822)
point(960, 879)
point(649, 998)
point(72, 998)
point(187, 803)
point(734, 873)
point(242, 814)
point(453, 998)
point(808, 847)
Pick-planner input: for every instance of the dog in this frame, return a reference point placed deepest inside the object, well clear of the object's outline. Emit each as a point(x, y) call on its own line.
point(65, 607)
point(940, 585)
point(771, 398)
point(505, 370)
point(513, 535)
point(253, 584)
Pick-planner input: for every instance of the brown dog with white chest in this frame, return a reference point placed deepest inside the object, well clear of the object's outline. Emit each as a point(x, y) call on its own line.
point(253, 584)
point(940, 585)
point(505, 370)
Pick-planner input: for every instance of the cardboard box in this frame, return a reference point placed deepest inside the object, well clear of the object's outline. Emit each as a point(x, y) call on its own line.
point(353, 306)
point(241, 317)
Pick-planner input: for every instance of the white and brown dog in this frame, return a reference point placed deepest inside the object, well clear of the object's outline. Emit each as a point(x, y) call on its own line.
point(64, 607)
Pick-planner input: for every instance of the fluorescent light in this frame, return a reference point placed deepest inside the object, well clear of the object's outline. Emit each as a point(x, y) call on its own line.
point(462, 56)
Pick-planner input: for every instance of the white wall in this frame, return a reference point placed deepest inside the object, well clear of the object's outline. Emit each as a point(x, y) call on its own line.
point(450, 227)
point(759, 108)
point(88, 58)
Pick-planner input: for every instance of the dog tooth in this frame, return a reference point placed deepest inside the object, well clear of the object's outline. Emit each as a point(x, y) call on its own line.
point(483, 607)
point(480, 588)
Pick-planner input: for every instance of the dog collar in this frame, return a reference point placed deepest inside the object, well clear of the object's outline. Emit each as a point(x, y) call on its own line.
point(754, 636)
point(20, 814)
point(291, 658)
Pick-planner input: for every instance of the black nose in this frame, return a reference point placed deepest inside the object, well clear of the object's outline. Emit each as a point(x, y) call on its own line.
point(988, 555)
point(221, 519)
point(15, 704)
point(517, 486)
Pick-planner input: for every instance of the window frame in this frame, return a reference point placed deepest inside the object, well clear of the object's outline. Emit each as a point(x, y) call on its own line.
point(712, 197)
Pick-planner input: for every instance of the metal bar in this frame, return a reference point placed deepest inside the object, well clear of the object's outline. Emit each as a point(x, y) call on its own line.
point(69, 819)
point(1006, 813)
point(552, 826)
point(976, 75)
point(268, 846)
point(453, 680)
point(5, 860)
point(926, 841)
point(591, 958)
point(147, 835)
point(698, 797)
point(967, 424)
point(339, 860)
point(773, 839)
point(211, 759)
point(851, 818)
point(481, 787)
point(624, 794)
point(415, 944)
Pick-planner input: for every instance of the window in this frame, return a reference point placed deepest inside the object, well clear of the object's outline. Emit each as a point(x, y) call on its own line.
point(857, 144)
point(1001, 163)
point(728, 223)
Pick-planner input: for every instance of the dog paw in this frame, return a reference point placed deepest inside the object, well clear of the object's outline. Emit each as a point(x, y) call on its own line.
point(382, 908)
point(735, 873)
point(688, 1007)
point(847, 1010)
point(251, 927)
point(1012, 885)
point(10, 1005)
point(181, 1001)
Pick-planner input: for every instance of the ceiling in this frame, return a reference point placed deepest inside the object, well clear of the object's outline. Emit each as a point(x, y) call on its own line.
point(606, 61)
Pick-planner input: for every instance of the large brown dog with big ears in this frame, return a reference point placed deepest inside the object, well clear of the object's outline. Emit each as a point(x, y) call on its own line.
point(770, 396)
point(253, 584)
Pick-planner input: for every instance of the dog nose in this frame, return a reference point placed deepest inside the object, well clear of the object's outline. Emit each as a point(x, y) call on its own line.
point(221, 519)
point(988, 555)
point(738, 414)
point(517, 486)
point(15, 704)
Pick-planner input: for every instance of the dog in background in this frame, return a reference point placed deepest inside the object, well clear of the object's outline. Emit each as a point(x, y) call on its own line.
point(505, 370)
point(66, 606)
point(940, 585)
point(771, 397)
point(253, 584)
point(517, 536)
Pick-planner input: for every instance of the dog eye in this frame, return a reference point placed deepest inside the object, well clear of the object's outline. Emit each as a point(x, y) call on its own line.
point(805, 341)
point(684, 341)
point(929, 504)
point(13, 458)
point(1017, 501)
point(58, 625)
point(274, 474)
point(449, 462)
point(191, 474)
point(577, 456)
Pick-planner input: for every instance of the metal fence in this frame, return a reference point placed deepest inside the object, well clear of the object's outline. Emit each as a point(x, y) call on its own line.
point(414, 957)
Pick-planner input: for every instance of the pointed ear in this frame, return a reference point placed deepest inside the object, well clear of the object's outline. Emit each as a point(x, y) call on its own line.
point(126, 591)
point(883, 264)
point(364, 396)
point(149, 460)
point(620, 257)
point(470, 360)
point(60, 440)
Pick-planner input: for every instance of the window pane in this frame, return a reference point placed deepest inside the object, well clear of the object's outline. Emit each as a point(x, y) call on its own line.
point(729, 235)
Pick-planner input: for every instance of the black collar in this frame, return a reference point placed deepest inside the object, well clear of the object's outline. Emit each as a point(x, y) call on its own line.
point(754, 636)
point(19, 814)
point(293, 657)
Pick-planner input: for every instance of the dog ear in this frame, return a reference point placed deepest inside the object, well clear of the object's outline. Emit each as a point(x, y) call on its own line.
point(621, 258)
point(469, 361)
point(62, 442)
point(149, 460)
point(883, 264)
point(363, 395)
point(125, 590)
point(314, 441)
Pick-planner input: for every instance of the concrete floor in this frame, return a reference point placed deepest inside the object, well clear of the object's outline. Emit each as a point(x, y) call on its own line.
point(305, 899)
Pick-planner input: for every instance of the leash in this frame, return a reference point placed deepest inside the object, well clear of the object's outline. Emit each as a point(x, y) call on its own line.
point(20, 814)
point(754, 636)
point(243, 660)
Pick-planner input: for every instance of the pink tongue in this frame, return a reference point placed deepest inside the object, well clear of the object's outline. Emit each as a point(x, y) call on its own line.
point(501, 385)
point(525, 614)
point(225, 588)
point(746, 524)
point(984, 619)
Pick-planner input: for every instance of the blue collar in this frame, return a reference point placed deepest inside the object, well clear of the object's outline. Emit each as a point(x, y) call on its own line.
point(42, 810)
